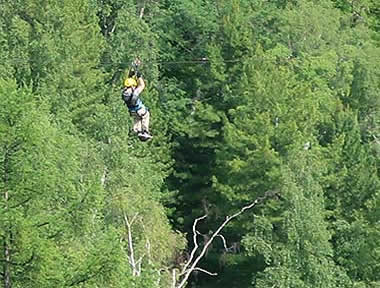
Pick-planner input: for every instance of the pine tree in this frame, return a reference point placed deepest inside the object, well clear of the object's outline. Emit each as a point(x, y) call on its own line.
point(57, 52)
point(351, 186)
point(45, 191)
point(297, 249)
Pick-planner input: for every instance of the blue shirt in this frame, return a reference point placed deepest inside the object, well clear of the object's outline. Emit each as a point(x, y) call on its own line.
point(137, 107)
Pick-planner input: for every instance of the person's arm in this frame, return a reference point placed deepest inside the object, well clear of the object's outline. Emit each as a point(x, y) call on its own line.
point(140, 87)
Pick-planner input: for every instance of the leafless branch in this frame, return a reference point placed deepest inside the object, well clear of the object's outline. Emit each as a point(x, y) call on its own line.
point(147, 244)
point(195, 233)
point(148, 249)
point(224, 242)
point(136, 265)
point(103, 179)
point(191, 264)
point(174, 278)
point(113, 28)
point(141, 12)
point(21, 203)
point(205, 271)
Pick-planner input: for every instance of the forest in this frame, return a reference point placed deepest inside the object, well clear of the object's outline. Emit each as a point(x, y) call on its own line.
point(263, 170)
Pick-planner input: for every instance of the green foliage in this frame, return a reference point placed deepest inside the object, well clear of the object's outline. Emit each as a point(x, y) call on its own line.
point(357, 249)
point(245, 96)
point(302, 255)
point(41, 210)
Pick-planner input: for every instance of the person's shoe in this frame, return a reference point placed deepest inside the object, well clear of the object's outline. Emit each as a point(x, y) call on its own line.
point(144, 136)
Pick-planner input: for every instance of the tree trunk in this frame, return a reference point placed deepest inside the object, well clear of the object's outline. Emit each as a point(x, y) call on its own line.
point(6, 267)
point(6, 247)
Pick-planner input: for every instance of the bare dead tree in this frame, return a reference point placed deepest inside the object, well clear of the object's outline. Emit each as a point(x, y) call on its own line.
point(6, 274)
point(104, 177)
point(180, 280)
point(141, 12)
point(135, 264)
point(206, 238)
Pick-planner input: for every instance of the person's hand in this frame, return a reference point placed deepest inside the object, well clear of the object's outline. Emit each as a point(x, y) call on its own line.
point(137, 62)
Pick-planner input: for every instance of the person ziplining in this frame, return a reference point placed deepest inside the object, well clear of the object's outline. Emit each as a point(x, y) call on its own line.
point(134, 85)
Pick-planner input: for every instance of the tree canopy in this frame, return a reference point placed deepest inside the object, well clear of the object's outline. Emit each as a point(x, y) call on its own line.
point(247, 99)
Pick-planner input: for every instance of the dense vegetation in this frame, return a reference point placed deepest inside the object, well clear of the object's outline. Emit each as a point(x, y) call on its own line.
point(246, 97)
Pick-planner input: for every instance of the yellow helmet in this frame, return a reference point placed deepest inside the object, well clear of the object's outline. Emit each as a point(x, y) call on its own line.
point(130, 82)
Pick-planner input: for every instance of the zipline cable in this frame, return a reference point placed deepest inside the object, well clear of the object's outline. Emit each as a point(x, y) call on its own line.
point(203, 60)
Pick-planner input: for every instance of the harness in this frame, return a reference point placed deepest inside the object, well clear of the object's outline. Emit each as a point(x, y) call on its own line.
point(127, 96)
point(136, 107)
point(134, 104)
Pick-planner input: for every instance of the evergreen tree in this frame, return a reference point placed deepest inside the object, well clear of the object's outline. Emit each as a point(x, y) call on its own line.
point(299, 254)
point(57, 52)
point(351, 186)
point(46, 192)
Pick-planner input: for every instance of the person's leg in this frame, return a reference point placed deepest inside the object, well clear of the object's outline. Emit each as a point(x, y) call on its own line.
point(145, 122)
point(137, 124)
point(145, 115)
